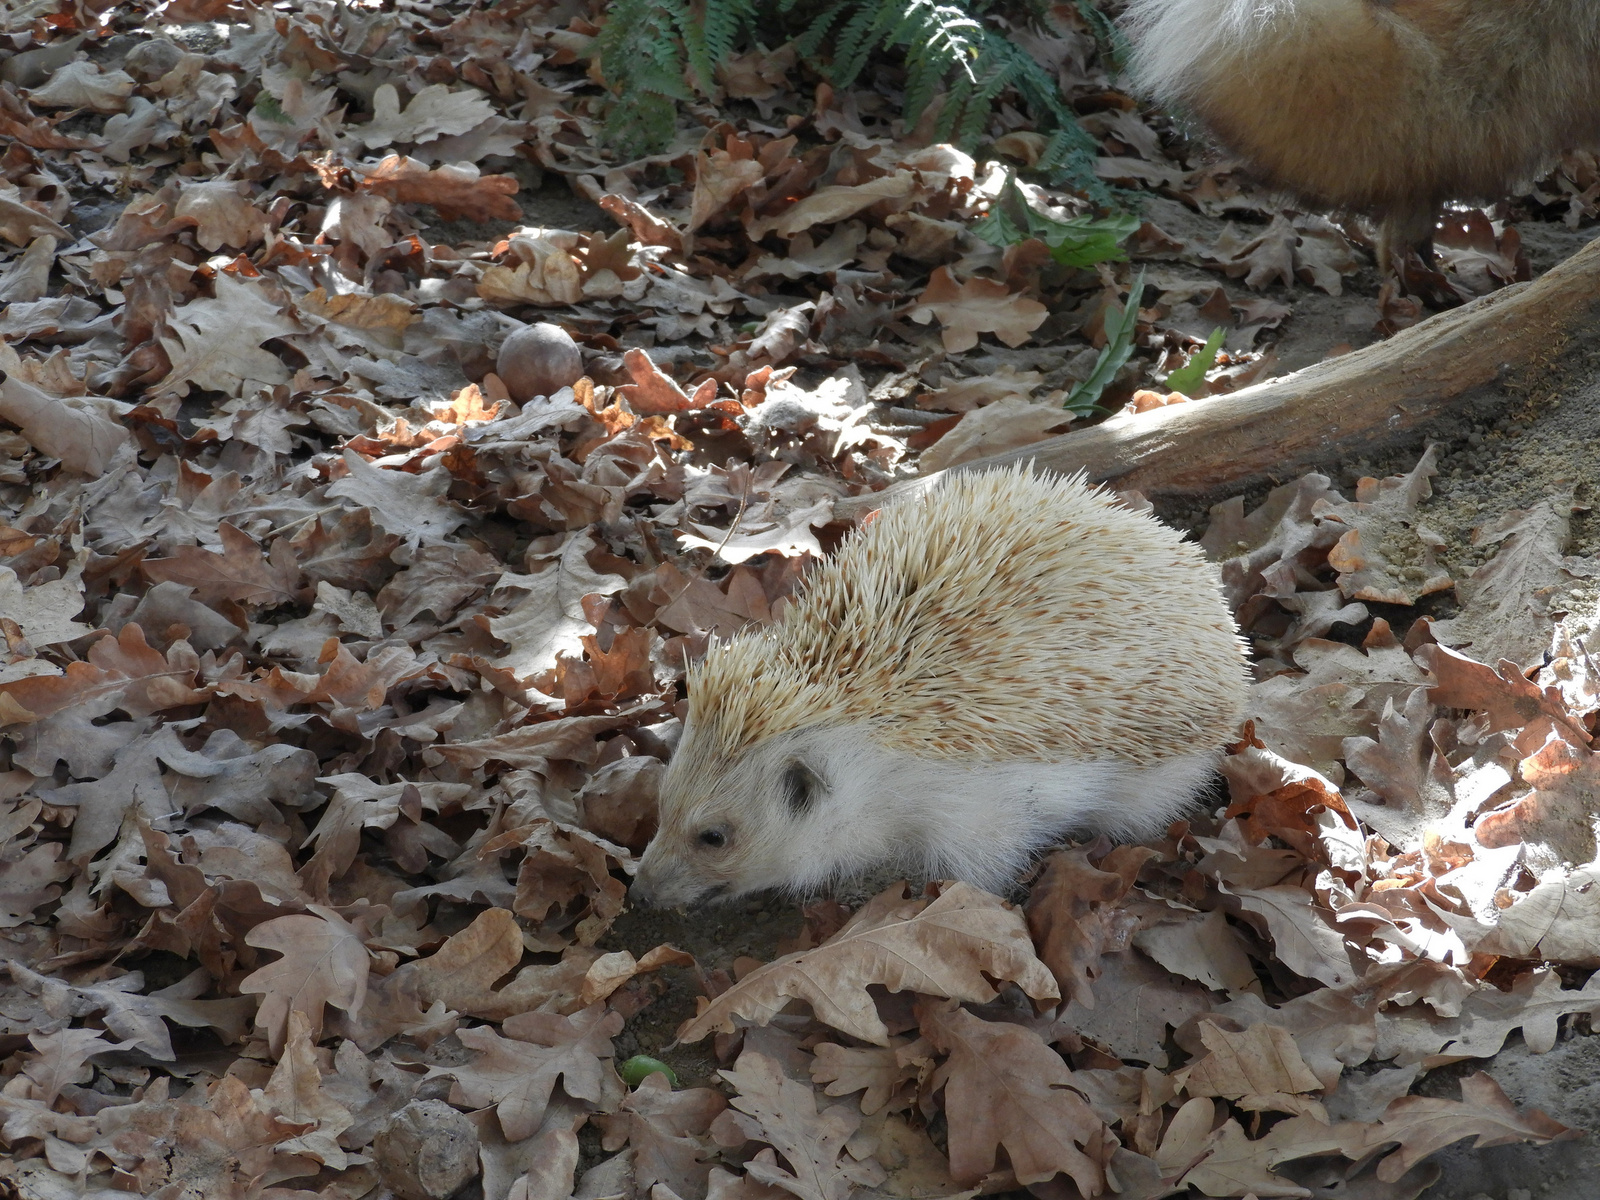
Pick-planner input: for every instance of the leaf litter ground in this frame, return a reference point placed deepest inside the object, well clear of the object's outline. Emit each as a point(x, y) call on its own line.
point(338, 681)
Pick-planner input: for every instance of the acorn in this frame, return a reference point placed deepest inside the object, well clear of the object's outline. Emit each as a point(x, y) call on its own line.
point(538, 360)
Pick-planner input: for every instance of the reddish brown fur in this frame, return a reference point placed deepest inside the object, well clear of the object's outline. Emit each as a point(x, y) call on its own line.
point(1383, 108)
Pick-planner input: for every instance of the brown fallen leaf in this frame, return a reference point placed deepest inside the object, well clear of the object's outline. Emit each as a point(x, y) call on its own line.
point(1423, 1124)
point(1220, 1160)
point(1559, 814)
point(239, 572)
point(61, 1058)
point(1505, 604)
point(217, 342)
point(951, 947)
point(663, 1128)
point(1004, 1088)
point(879, 1072)
point(1301, 932)
point(653, 392)
point(221, 1145)
point(1558, 921)
point(1255, 1067)
point(835, 203)
point(1504, 694)
point(964, 310)
point(1386, 553)
point(78, 430)
point(119, 672)
point(456, 190)
point(1004, 425)
point(517, 1074)
point(1137, 1004)
point(324, 962)
point(1074, 916)
point(769, 1107)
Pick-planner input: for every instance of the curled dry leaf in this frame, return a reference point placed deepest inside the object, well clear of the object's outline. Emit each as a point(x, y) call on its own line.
point(950, 947)
point(1386, 553)
point(1074, 915)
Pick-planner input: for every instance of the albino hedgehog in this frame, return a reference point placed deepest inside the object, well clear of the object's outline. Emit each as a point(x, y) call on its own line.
point(975, 673)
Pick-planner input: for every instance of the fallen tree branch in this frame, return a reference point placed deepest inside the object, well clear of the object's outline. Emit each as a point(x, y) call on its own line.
point(1345, 406)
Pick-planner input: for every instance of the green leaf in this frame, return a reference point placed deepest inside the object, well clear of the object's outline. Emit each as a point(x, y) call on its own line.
point(1085, 398)
point(634, 1070)
point(1188, 378)
point(1075, 242)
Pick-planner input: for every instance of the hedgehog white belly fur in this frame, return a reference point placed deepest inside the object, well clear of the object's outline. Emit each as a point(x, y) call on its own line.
point(977, 672)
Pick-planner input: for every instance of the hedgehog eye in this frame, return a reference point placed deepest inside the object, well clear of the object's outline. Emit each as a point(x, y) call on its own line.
point(800, 787)
point(714, 838)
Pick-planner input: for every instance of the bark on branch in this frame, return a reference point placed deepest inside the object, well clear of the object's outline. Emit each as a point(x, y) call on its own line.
point(1346, 406)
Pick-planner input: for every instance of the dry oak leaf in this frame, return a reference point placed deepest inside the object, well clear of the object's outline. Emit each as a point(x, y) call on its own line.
point(119, 672)
point(221, 213)
point(782, 1112)
point(1005, 1088)
point(62, 1059)
point(385, 314)
point(409, 506)
point(610, 971)
point(662, 1126)
point(534, 745)
point(457, 191)
point(30, 881)
point(1506, 696)
point(978, 306)
point(554, 1156)
point(433, 112)
point(1202, 947)
point(1505, 604)
point(461, 974)
point(217, 342)
point(1135, 1002)
point(550, 620)
point(1535, 1005)
point(78, 430)
point(324, 962)
point(226, 1144)
point(296, 1095)
point(1221, 1161)
point(1260, 1063)
point(82, 84)
point(1558, 921)
point(829, 204)
point(516, 1074)
point(240, 572)
point(654, 393)
point(1386, 553)
point(1007, 424)
point(1560, 813)
point(1301, 932)
point(1074, 917)
point(952, 947)
point(878, 1072)
point(1423, 1124)
point(45, 610)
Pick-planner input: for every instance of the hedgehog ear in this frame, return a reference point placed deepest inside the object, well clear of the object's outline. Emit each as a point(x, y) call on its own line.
point(801, 787)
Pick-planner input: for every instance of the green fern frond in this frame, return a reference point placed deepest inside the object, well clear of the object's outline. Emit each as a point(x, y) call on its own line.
point(646, 46)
